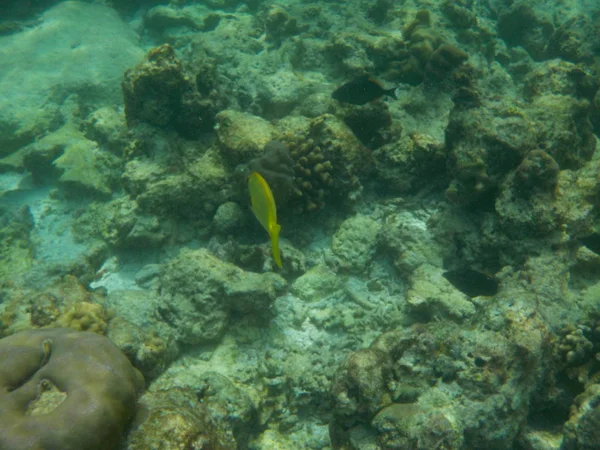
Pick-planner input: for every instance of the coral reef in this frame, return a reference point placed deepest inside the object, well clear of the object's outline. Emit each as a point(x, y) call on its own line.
point(481, 155)
point(441, 244)
point(63, 389)
point(575, 40)
point(120, 224)
point(410, 163)
point(525, 194)
point(66, 303)
point(520, 25)
point(159, 91)
point(229, 219)
point(242, 136)
point(201, 292)
point(581, 431)
point(410, 406)
point(372, 124)
point(84, 168)
point(16, 250)
point(162, 184)
point(147, 351)
point(312, 174)
point(80, 165)
point(36, 96)
point(108, 128)
point(426, 56)
point(410, 242)
point(210, 413)
point(355, 242)
point(279, 25)
point(432, 295)
point(328, 161)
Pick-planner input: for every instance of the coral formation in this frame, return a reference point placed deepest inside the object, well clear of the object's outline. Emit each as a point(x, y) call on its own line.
point(211, 413)
point(481, 155)
point(328, 161)
point(163, 185)
point(279, 25)
point(16, 250)
point(410, 163)
point(159, 91)
point(575, 40)
point(60, 71)
point(66, 303)
point(410, 407)
point(372, 124)
point(312, 173)
point(228, 219)
point(79, 164)
point(430, 294)
point(581, 430)
point(120, 224)
point(426, 56)
point(148, 352)
point(85, 316)
point(85, 168)
point(200, 293)
point(64, 389)
point(525, 194)
point(520, 25)
point(242, 136)
point(355, 242)
point(403, 317)
point(108, 128)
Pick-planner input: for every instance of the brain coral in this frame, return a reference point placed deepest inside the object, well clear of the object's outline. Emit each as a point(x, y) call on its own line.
point(62, 389)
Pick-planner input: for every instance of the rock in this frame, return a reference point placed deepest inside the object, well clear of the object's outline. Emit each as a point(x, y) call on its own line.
point(582, 431)
point(107, 127)
point(431, 295)
point(316, 283)
point(242, 136)
point(84, 168)
point(77, 49)
point(194, 192)
point(160, 91)
point(213, 413)
point(521, 25)
point(200, 291)
point(410, 238)
point(355, 242)
point(397, 391)
point(229, 218)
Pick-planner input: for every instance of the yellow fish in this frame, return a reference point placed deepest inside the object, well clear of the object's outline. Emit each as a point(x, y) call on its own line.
point(263, 206)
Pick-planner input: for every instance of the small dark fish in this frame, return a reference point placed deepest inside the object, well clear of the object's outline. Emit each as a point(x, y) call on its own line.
point(472, 282)
point(592, 242)
point(361, 90)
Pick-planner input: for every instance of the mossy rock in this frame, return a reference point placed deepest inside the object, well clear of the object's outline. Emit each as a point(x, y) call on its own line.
point(84, 167)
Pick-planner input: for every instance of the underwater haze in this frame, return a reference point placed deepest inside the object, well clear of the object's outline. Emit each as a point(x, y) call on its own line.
point(300, 224)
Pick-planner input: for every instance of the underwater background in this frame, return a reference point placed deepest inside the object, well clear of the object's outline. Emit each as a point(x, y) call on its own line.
point(255, 224)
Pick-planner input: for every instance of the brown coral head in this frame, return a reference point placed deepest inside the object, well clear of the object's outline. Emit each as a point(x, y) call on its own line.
point(62, 389)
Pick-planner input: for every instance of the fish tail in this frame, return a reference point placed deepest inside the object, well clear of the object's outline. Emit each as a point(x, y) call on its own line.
point(391, 93)
point(275, 244)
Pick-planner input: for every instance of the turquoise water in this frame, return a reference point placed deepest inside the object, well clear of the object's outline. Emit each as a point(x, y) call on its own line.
point(433, 166)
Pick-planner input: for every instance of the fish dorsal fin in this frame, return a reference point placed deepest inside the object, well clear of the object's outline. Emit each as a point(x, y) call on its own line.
point(374, 81)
